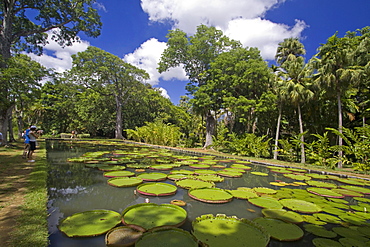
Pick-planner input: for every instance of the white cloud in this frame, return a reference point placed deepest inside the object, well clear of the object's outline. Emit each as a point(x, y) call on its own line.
point(163, 92)
point(60, 58)
point(239, 19)
point(263, 34)
point(147, 57)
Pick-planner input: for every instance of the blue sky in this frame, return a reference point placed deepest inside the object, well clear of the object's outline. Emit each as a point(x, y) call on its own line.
point(135, 30)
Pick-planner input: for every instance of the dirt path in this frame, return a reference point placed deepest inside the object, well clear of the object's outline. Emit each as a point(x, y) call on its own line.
point(14, 172)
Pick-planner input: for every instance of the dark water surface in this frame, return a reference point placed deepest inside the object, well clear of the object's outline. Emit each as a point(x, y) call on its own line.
point(73, 188)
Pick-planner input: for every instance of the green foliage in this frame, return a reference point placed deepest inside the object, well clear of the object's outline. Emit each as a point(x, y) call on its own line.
point(288, 150)
point(157, 133)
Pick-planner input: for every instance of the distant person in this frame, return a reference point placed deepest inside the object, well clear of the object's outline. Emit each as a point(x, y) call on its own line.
point(74, 134)
point(26, 138)
point(1, 138)
point(33, 135)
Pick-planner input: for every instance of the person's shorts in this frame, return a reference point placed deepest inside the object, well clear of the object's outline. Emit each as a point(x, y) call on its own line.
point(32, 146)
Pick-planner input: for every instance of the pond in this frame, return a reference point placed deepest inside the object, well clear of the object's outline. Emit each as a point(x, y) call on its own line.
point(75, 187)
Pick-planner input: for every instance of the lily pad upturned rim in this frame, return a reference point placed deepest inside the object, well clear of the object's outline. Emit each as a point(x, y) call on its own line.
point(196, 194)
point(113, 174)
point(96, 226)
point(161, 236)
point(129, 236)
point(151, 189)
point(280, 230)
point(247, 230)
point(179, 215)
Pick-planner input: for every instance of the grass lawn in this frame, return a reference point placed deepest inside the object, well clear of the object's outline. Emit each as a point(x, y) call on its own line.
point(23, 197)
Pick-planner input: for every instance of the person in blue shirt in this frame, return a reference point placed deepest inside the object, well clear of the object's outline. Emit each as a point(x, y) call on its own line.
point(26, 143)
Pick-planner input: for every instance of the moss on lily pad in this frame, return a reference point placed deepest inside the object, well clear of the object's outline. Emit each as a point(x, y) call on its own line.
point(89, 223)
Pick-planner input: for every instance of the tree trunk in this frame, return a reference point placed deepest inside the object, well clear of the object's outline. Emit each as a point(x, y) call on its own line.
point(277, 134)
point(303, 155)
point(10, 126)
point(118, 131)
point(340, 128)
point(210, 129)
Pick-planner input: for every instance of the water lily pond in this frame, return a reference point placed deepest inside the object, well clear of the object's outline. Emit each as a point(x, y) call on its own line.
point(102, 191)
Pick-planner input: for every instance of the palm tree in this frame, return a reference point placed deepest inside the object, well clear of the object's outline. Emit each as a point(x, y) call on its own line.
point(337, 73)
point(289, 56)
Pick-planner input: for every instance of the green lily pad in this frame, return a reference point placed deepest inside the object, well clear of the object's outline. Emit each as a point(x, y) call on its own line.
point(243, 194)
point(352, 219)
point(319, 231)
point(105, 168)
point(362, 199)
point(324, 192)
point(178, 176)
point(229, 169)
point(166, 236)
point(321, 184)
point(300, 206)
point(317, 176)
point(327, 218)
point(211, 178)
point(280, 230)
point(122, 236)
point(210, 195)
point(324, 242)
point(150, 215)
point(313, 220)
point(190, 183)
point(346, 192)
point(156, 189)
point(266, 202)
point(358, 189)
point(205, 172)
point(89, 223)
point(124, 181)
point(162, 167)
point(153, 176)
point(297, 170)
point(280, 170)
point(241, 166)
point(221, 230)
point(114, 174)
point(230, 174)
point(351, 242)
point(297, 177)
point(282, 214)
point(263, 190)
point(349, 232)
point(365, 230)
point(352, 181)
point(260, 174)
point(182, 171)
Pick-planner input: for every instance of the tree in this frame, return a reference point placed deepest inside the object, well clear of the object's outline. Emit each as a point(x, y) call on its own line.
point(195, 54)
point(289, 56)
point(337, 72)
point(108, 75)
point(24, 25)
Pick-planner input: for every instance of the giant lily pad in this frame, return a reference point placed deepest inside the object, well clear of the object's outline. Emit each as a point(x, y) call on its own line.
point(89, 223)
point(221, 230)
point(260, 174)
point(241, 166)
point(210, 195)
point(190, 183)
point(156, 189)
point(211, 178)
point(243, 194)
point(321, 184)
point(199, 166)
point(118, 174)
point(264, 190)
point(324, 192)
point(358, 189)
point(300, 206)
point(297, 177)
point(150, 215)
point(230, 174)
point(325, 242)
point(265, 202)
point(349, 232)
point(351, 242)
point(153, 176)
point(122, 236)
point(327, 218)
point(161, 167)
point(282, 214)
point(124, 181)
point(105, 168)
point(346, 192)
point(352, 181)
point(280, 230)
point(167, 237)
point(205, 172)
point(319, 231)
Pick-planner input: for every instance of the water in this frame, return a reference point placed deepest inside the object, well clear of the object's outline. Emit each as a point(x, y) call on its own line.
point(74, 188)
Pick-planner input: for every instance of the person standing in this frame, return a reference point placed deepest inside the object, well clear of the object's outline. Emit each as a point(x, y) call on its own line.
point(33, 135)
point(1, 138)
point(26, 143)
